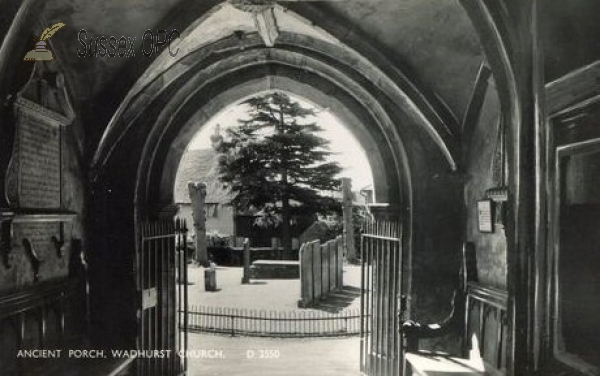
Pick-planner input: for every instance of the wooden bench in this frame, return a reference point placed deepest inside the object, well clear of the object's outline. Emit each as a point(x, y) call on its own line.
point(50, 316)
point(478, 317)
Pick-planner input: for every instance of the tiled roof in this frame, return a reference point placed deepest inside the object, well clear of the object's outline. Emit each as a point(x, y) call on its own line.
point(200, 165)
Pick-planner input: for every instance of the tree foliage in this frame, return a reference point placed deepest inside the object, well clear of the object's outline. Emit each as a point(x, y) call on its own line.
point(275, 162)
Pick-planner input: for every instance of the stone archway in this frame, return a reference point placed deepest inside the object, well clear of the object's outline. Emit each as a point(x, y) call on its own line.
point(139, 152)
point(355, 120)
point(506, 38)
point(137, 180)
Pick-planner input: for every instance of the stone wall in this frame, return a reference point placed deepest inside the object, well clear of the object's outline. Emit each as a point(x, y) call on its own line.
point(32, 225)
point(42, 213)
point(490, 247)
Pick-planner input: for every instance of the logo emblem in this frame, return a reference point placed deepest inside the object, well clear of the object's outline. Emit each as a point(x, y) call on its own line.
point(40, 52)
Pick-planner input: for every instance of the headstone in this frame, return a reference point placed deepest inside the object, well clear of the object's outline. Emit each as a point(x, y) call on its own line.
point(295, 243)
point(246, 257)
point(316, 263)
point(276, 253)
point(210, 278)
point(306, 280)
point(310, 289)
point(332, 265)
point(197, 191)
point(340, 263)
point(325, 267)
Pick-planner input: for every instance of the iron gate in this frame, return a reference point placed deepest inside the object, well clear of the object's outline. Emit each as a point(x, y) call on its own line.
point(381, 281)
point(162, 283)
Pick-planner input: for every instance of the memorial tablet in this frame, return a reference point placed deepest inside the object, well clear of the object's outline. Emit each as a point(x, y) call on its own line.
point(35, 170)
point(39, 156)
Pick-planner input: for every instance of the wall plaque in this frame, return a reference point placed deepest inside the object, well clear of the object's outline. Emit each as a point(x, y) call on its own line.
point(35, 166)
point(33, 179)
point(484, 215)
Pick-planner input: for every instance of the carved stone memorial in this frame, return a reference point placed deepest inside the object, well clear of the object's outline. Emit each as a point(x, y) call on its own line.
point(32, 215)
point(197, 191)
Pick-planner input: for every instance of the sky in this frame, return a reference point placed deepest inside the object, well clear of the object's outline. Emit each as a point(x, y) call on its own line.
point(346, 149)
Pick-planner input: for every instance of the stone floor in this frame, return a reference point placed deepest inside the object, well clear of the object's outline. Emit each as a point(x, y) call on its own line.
point(251, 356)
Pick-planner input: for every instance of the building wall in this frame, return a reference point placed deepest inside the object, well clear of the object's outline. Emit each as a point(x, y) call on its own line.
point(570, 34)
point(222, 222)
point(20, 276)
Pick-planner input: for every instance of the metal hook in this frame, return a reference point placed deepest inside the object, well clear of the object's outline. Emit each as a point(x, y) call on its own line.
point(33, 259)
point(58, 245)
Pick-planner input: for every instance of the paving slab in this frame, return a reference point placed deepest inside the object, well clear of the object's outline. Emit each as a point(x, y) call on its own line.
point(250, 356)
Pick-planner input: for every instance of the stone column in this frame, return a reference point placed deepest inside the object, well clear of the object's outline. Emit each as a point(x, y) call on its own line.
point(197, 191)
point(348, 219)
point(510, 35)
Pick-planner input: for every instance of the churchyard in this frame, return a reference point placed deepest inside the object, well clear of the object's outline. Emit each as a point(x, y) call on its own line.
point(268, 294)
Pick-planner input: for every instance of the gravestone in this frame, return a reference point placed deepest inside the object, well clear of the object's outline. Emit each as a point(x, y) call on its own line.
point(333, 265)
point(317, 274)
point(325, 268)
point(306, 276)
point(210, 278)
point(246, 257)
point(321, 271)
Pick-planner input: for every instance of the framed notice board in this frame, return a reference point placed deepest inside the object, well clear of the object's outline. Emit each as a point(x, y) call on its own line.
point(485, 215)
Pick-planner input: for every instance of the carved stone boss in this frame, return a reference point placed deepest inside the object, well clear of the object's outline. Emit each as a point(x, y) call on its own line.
point(33, 184)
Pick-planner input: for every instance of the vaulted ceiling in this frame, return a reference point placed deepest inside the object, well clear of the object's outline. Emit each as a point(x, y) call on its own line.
point(430, 41)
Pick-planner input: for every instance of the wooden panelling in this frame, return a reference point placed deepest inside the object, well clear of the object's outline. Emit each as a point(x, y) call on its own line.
point(486, 319)
point(574, 89)
point(40, 317)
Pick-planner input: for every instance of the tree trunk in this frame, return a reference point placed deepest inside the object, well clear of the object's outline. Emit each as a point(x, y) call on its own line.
point(286, 233)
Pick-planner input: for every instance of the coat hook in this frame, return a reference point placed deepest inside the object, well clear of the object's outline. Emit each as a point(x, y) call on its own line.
point(33, 259)
point(58, 245)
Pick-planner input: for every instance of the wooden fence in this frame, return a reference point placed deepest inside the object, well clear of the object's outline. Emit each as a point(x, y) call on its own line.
point(253, 322)
point(321, 270)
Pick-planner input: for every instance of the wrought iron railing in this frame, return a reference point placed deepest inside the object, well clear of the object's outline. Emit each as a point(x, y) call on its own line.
point(255, 322)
